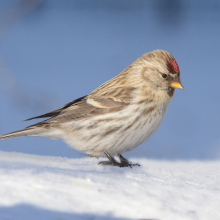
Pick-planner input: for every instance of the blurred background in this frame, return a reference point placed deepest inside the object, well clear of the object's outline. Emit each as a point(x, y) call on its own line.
point(52, 52)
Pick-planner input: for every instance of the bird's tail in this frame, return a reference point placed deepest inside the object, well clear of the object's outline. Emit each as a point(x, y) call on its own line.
point(24, 132)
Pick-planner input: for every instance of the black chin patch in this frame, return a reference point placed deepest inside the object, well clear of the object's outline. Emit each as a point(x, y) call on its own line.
point(170, 91)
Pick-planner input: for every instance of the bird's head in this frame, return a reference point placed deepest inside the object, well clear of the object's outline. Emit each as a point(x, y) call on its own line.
point(160, 71)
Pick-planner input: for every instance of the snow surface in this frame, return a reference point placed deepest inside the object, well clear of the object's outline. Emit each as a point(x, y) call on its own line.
point(42, 187)
point(64, 50)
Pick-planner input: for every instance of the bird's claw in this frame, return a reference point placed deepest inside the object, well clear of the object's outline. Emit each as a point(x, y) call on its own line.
point(124, 162)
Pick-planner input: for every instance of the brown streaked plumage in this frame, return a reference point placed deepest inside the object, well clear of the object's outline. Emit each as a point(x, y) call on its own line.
point(119, 115)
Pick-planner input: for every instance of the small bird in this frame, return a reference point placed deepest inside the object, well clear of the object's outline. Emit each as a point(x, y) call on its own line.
point(119, 115)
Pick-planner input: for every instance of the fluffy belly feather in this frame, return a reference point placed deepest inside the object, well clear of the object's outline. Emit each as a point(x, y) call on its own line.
point(114, 132)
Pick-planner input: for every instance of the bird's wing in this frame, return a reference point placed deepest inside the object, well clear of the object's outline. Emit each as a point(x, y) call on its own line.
point(85, 107)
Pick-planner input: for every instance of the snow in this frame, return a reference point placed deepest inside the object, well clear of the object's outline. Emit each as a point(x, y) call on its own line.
point(42, 187)
point(64, 50)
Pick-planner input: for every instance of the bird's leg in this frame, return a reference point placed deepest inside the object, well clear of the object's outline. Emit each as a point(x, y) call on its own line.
point(113, 162)
point(122, 159)
point(125, 161)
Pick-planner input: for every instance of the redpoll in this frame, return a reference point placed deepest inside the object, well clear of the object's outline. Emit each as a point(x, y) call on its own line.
point(119, 115)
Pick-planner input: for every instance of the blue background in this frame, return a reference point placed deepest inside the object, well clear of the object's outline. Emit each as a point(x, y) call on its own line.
point(52, 52)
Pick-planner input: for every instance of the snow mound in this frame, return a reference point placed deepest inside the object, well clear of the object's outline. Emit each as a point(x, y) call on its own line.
point(40, 187)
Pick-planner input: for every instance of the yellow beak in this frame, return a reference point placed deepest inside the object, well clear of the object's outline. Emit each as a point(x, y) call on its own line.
point(176, 85)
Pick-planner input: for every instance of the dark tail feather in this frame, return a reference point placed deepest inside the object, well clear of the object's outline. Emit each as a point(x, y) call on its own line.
point(25, 132)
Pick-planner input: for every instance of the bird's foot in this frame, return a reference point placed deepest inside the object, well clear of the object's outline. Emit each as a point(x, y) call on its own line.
point(124, 162)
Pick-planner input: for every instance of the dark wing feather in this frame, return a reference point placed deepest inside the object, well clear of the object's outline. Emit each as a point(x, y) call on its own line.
point(84, 110)
point(58, 111)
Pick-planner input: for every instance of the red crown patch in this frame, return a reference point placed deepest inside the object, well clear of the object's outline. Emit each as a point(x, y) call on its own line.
point(173, 67)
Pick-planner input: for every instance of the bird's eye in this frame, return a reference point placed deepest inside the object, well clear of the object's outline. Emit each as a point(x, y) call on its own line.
point(164, 76)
